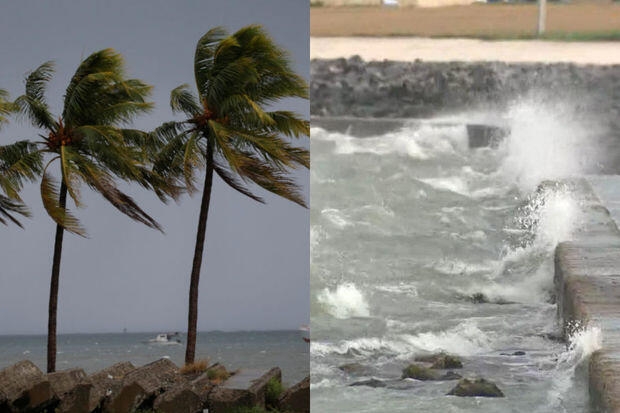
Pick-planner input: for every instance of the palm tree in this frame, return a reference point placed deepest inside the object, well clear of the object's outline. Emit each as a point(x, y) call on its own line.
point(91, 147)
point(12, 169)
point(230, 131)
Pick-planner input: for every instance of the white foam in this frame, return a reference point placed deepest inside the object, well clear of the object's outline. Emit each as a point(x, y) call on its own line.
point(465, 339)
point(547, 141)
point(345, 301)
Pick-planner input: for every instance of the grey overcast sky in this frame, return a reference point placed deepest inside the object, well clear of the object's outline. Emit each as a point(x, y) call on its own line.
point(256, 266)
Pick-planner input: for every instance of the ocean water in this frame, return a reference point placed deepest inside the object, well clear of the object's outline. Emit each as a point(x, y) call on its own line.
point(419, 245)
point(93, 352)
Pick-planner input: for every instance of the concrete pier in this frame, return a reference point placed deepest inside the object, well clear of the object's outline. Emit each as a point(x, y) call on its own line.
point(587, 280)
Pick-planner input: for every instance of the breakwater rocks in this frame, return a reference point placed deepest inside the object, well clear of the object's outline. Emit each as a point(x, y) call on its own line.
point(159, 386)
point(404, 90)
point(587, 281)
point(353, 87)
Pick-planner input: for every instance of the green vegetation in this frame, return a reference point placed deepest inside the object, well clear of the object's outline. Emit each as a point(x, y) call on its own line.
point(272, 393)
point(230, 132)
point(10, 178)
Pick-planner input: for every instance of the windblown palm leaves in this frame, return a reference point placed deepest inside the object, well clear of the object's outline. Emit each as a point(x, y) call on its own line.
point(86, 140)
point(15, 166)
point(236, 77)
point(230, 131)
point(90, 147)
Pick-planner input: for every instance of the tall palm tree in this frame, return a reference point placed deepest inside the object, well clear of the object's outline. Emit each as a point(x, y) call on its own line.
point(10, 176)
point(230, 131)
point(91, 146)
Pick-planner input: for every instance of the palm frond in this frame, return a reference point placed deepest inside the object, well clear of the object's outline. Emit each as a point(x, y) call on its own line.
point(182, 100)
point(50, 196)
point(102, 182)
point(19, 162)
point(6, 106)
point(33, 104)
point(8, 207)
point(204, 55)
point(269, 177)
point(229, 178)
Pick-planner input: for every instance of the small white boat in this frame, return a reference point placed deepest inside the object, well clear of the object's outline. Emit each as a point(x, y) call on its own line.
point(165, 339)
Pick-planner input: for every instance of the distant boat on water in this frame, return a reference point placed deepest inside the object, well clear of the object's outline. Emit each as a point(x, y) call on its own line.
point(165, 339)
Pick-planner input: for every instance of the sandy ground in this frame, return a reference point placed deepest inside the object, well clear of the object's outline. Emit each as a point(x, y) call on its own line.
point(478, 20)
point(409, 49)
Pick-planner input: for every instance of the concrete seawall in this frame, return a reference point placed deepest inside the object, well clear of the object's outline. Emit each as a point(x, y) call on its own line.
point(587, 280)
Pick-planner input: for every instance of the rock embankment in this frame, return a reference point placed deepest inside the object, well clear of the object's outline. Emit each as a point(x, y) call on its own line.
point(353, 87)
point(158, 386)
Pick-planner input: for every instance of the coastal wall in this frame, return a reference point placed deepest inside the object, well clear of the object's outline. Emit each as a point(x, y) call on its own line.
point(587, 280)
point(355, 88)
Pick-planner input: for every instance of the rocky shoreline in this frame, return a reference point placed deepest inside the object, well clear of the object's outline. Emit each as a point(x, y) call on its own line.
point(353, 87)
point(387, 89)
point(158, 386)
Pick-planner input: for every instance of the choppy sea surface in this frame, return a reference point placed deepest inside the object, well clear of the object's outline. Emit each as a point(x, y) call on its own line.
point(93, 352)
point(420, 244)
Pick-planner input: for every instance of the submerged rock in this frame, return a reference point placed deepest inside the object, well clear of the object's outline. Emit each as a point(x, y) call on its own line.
point(476, 388)
point(441, 361)
point(357, 369)
point(370, 383)
point(516, 353)
point(418, 372)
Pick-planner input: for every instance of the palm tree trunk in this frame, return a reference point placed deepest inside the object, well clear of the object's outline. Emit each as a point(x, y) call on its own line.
point(192, 314)
point(51, 324)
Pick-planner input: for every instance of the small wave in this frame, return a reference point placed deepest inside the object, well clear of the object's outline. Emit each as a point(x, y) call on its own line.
point(345, 301)
point(336, 217)
point(465, 339)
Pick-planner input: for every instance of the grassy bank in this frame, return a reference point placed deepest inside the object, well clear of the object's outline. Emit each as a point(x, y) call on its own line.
point(565, 22)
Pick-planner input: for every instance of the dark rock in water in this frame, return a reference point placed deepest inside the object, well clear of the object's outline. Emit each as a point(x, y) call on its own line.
point(556, 337)
point(475, 388)
point(485, 136)
point(451, 376)
point(441, 361)
point(355, 369)
point(296, 398)
point(516, 353)
point(479, 298)
point(370, 383)
point(418, 372)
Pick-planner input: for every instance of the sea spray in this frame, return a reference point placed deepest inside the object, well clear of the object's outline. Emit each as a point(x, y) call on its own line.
point(582, 342)
point(345, 301)
point(548, 140)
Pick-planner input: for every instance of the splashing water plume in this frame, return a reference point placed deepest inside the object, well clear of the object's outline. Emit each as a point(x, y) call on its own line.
point(548, 140)
point(345, 301)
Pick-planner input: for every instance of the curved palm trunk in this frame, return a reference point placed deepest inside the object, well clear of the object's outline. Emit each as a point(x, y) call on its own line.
point(192, 316)
point(51, 324)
